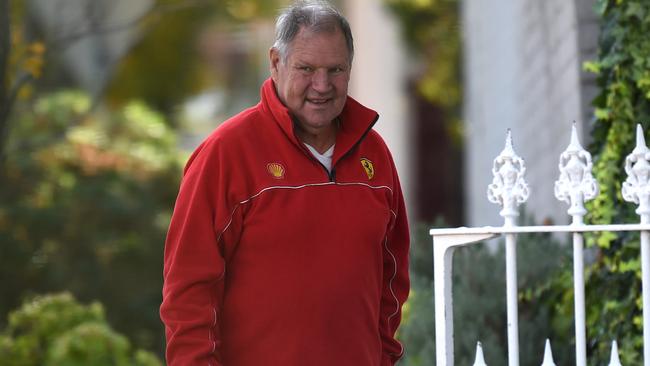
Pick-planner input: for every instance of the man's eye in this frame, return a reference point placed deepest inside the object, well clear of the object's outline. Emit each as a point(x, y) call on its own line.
point(306, 68)
point(336, 70)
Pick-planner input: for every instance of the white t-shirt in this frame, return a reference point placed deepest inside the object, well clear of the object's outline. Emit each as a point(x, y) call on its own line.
point(324, 158)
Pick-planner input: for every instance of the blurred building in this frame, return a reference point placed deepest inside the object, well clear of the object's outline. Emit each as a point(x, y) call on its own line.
point(523, 62)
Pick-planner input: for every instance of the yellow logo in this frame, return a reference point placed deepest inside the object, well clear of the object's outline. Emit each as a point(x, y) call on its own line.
point(367, 166)
point(276, 170)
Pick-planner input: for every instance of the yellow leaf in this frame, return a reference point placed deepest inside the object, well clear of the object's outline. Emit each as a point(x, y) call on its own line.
point(37, 48)
point(34, 65)
point(25, 92)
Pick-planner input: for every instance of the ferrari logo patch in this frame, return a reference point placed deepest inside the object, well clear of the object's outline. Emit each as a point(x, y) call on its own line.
point(367, 166)
point(276, 170)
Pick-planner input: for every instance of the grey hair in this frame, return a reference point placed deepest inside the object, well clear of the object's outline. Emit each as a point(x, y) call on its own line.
point(317, 16)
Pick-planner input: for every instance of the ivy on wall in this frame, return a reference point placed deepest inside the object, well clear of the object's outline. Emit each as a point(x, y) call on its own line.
point(613, 281)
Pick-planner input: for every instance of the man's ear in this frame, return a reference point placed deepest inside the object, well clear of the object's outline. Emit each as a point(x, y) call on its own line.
point(274, 62)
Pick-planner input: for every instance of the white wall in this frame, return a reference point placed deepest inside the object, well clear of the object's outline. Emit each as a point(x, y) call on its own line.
point(378, 79)
point(522, 72)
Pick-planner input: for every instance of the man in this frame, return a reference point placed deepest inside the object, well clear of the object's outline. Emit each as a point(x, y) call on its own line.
point(289, 241)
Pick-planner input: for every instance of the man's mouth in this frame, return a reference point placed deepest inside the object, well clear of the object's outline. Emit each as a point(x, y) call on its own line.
point(318, 101)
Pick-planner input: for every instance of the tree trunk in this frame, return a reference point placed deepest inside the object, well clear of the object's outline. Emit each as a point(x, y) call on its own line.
point(5, 48)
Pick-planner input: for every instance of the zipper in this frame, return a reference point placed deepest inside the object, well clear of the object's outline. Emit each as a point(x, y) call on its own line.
point(331, 175)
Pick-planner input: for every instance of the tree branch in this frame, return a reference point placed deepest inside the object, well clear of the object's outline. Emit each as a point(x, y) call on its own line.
point(153, 13)
point(9, 101)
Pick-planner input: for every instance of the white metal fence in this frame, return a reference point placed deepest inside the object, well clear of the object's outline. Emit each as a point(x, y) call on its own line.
point(575, 185)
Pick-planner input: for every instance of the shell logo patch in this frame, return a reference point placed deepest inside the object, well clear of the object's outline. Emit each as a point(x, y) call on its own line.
point(368, 167)
point(276, 170)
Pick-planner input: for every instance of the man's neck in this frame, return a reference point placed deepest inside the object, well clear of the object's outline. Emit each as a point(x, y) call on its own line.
point(320, 140)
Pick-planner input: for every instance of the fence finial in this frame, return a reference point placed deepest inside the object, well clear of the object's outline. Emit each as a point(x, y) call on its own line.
point(575, 184)
point(548, 355)
point(636, 187)
point(508, 188)
point(479, 360)
point(640, 139)
point(613, 359)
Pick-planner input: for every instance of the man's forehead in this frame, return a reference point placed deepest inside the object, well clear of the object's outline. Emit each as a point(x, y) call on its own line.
point(303, 45)
point(318, 32)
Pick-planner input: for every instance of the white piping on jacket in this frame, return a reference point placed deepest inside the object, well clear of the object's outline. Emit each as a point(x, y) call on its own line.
point(392, 292)
point(214, 324)
point(232, 214)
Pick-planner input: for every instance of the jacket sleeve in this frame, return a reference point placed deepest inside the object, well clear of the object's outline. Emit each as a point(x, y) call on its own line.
point(194, 268)
point(395, 280)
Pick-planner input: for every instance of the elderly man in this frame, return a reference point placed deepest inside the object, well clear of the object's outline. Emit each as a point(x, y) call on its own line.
point(289, 240)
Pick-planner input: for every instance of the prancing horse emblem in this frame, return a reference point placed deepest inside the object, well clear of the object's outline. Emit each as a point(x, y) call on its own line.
point(367, 166)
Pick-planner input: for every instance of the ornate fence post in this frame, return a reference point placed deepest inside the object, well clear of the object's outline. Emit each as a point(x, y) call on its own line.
point(636, 188)
point(575, 185)
point(509, 189)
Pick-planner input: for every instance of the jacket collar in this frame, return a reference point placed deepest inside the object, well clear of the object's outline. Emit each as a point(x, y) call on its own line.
point(356, 121)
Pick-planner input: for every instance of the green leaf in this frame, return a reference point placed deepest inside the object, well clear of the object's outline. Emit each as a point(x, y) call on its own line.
point(591, 66)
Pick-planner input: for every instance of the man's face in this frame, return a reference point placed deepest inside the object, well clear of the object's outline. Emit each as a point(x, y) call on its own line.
point(313, 81)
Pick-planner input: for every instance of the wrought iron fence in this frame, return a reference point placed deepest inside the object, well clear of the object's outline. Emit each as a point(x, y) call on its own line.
point(509, 189)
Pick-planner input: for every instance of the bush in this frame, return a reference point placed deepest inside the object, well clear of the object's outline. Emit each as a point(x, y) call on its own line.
point(57, 330)
point(85, 201)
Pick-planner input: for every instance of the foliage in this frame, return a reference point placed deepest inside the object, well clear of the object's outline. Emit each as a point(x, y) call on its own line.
point(85, 201)
point(479, 301)
point(57, 330)
point(613, 281)
point(432, 29)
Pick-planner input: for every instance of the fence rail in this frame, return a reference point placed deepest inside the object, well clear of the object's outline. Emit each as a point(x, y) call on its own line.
point(575, 185)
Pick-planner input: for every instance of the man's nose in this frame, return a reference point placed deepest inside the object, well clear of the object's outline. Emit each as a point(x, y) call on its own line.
point(320, 81)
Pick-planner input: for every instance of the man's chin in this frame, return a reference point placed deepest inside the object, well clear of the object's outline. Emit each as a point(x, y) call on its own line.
point(317, 119)
point(316, 123)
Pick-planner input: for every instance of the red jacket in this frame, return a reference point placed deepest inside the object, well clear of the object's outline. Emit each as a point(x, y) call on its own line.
point(270, 260)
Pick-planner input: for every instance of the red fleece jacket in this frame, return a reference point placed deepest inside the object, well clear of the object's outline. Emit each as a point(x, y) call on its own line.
point(270, 260)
